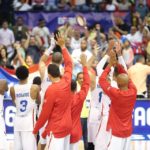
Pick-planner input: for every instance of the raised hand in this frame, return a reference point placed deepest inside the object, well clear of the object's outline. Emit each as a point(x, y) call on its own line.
point(60, 40)
point(111, 45)
point(83, 59)
point(113, 59)
point(95, 50)
point(118, 48)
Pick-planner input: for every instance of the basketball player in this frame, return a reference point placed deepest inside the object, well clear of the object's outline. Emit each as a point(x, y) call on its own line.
point(25, 96)
point(56, 59)
point(101, 135)
point(77, 104)
point(120, 117)
point(56, 108)
point(3, 139)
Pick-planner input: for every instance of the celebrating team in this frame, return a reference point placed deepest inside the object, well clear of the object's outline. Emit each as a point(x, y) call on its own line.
point(110, 116)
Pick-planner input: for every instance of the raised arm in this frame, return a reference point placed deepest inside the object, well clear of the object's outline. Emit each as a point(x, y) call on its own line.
point(119, 54)
point(67, 58)
point(86, 80)
point(44, 58)
point(103, 80)
point(35, 93)
point(101, 64)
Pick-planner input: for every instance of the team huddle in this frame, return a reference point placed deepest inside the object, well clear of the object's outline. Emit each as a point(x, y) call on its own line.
point(64, 103)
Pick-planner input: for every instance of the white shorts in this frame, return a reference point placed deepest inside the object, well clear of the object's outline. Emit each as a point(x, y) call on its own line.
point(117, 143)
point(3, 137)
point(103, 136)
point(93, 124)
point(74, 146)
point(24, 140)
point(58, 143)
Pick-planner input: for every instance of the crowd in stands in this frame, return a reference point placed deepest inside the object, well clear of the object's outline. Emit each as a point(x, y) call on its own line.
point(19, 45)
point(81, 5)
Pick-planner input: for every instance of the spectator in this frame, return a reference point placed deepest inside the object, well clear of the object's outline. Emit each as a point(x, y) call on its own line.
point(43, 32)
point(7, 38)
point(96, 4)
point(51, 5)
point(120, 26)
point(33, 49)
point(123, 5)
point(134, 37)
point(4, 60)
point(110, 6)
point(38, 4)
point(81, 5)
point(142, 9)
point(68, 45)
point(77, 52)
point(20, 29)
point(21, 5)
point(138, 74)
point(76, 40)
point(127, 53)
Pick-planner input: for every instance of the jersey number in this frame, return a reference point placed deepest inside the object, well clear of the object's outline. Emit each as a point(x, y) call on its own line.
point(23, 104)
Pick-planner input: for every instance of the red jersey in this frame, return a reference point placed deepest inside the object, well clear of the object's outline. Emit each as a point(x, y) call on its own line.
point(57, 104)
point(77, 104)
point(122, 104)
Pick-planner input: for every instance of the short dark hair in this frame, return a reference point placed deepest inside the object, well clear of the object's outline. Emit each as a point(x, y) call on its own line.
point(79, 74)
point(140, 58)
point(73, 85)
point(37, 80)
point(22, 73)
point(57, 58)
point(115, 74)
point(53, 70)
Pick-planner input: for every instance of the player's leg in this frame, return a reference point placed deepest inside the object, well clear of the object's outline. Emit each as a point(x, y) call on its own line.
point(29, 141)
point(67, 143)
point(84, 132)
point(17, 140)
point(42, 141)
point(55, 143)
point(115, 143)
point(3, 138)
point(74, 146)
point(127, 143)
point(103, 136)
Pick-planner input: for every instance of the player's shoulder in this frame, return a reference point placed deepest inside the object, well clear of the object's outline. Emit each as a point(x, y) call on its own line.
point(34, 87)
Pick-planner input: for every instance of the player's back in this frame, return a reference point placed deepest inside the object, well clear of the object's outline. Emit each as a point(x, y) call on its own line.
point(60, 119)
point(25, 105)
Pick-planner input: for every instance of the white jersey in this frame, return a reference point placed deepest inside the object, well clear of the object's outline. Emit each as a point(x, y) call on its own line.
point(25, 106)
point(1, 103)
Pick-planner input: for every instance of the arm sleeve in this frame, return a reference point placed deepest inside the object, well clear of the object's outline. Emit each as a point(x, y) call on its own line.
point(46, 110)
point(105, 85)
point(68, 65)
point(122, 62)
point(85, 85)
point(121, 69)
point(101, 64)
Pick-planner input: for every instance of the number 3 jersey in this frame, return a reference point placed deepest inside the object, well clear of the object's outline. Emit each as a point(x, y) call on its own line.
point(26, 108)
